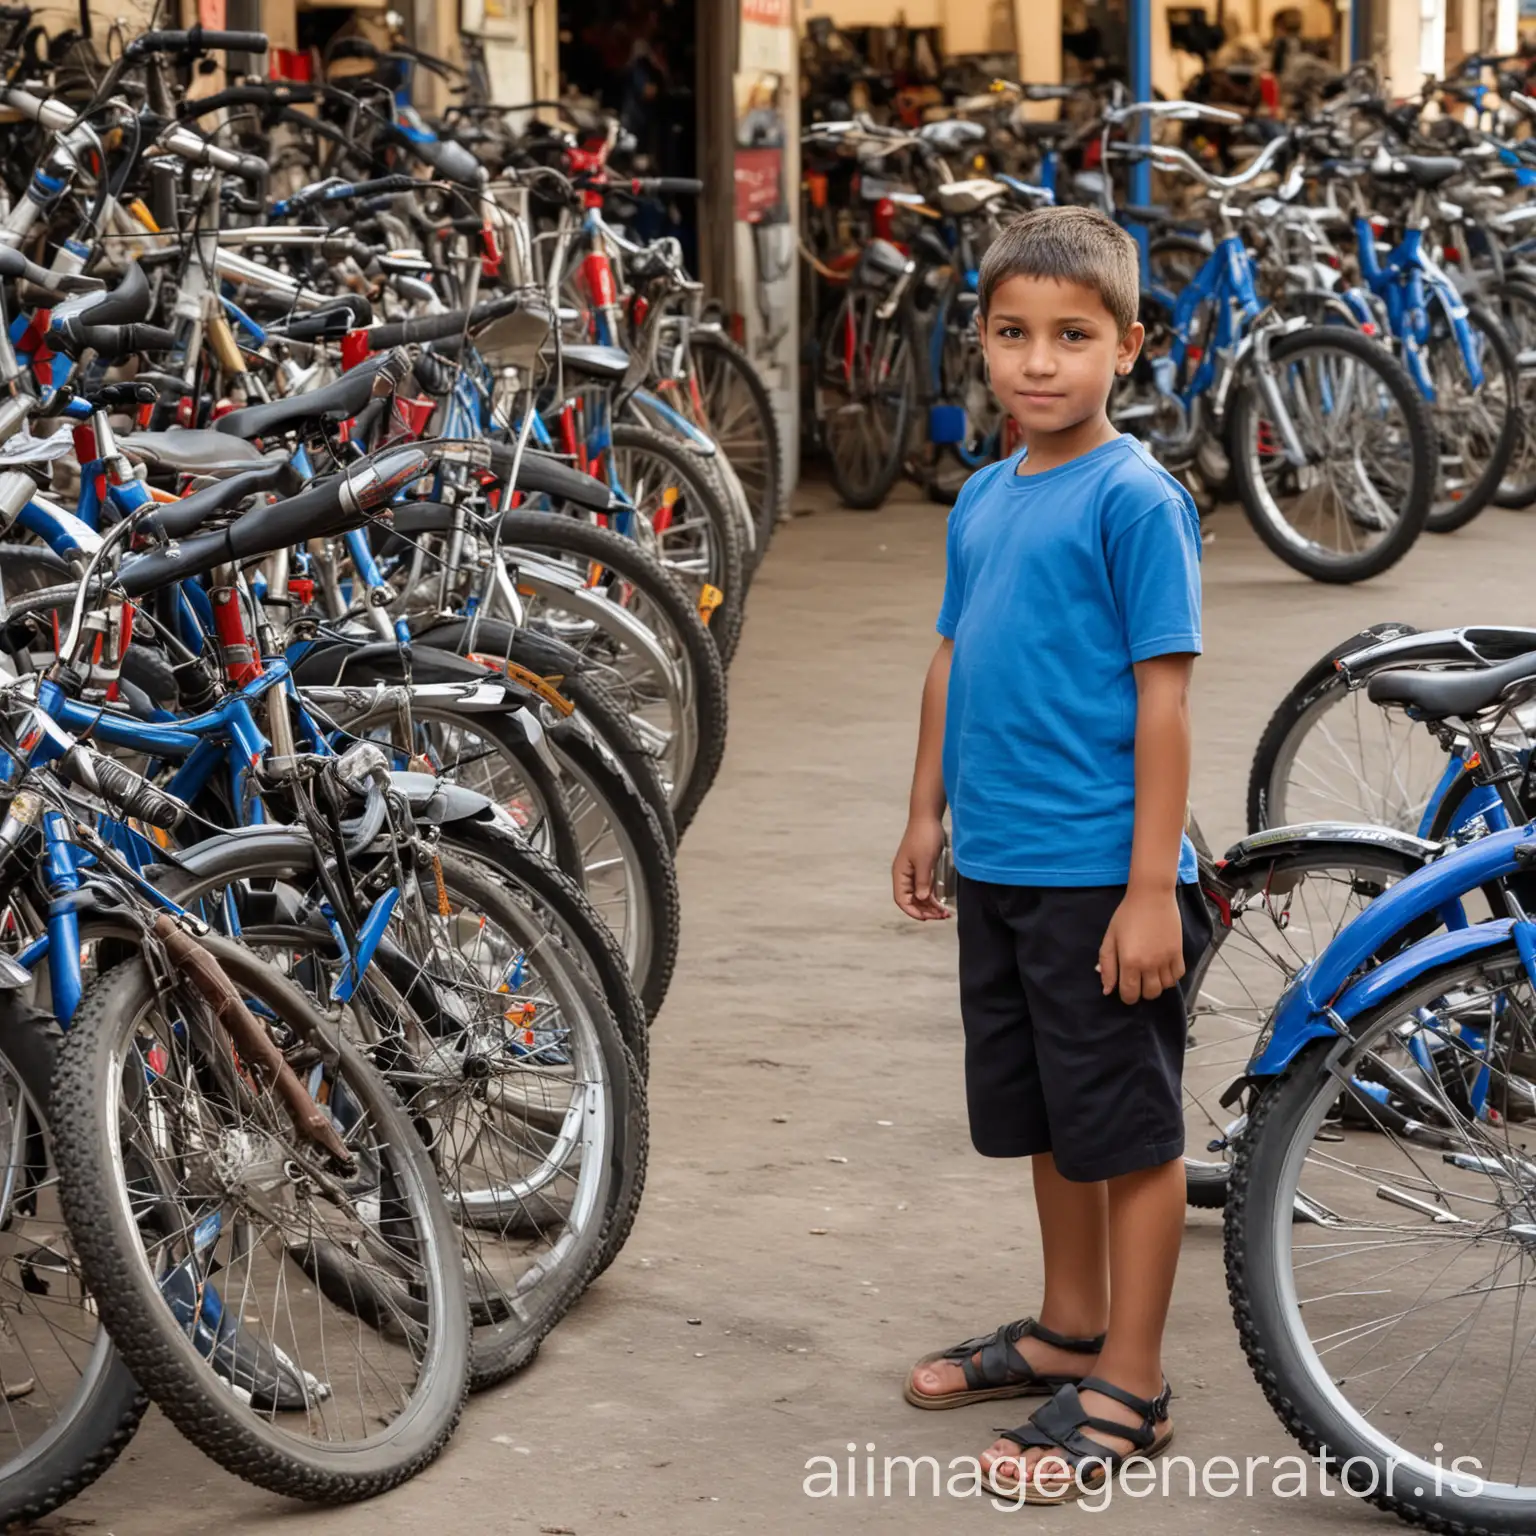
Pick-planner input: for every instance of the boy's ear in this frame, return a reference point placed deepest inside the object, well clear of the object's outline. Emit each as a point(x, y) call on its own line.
point(1130, 347)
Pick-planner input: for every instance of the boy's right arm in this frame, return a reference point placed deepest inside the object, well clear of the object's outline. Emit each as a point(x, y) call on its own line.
point(921, 843)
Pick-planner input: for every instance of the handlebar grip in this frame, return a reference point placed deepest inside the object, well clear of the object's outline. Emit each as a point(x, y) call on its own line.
point(440, 327)
point(254, 93)
point(118, 784)
point(375, 188)
point(538, 474)
point(230, 42)
point(196, 40)
point(454, 161)
point(666, 186)
point(122, 340)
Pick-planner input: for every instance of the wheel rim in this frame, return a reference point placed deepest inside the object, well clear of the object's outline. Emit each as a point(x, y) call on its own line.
point(1407, 1289)
point(1348, 497)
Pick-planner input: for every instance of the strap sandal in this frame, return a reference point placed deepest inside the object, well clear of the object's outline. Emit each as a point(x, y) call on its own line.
point(1057, 1427)
point(1000, 1370)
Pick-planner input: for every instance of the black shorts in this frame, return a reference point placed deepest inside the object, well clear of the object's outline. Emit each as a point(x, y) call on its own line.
point(1051, 1063)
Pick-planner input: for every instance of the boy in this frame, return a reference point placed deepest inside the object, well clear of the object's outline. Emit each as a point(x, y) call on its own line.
point(1055, 720)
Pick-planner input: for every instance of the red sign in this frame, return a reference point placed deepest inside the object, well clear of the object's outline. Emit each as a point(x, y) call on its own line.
point(759, 183)
point(767, 13)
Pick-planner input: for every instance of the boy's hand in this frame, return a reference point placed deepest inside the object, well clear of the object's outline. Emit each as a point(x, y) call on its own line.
point(912, 870)
point(1143, 948)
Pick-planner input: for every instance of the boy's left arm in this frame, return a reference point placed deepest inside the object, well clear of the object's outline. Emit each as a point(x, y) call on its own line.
point(1143, 949)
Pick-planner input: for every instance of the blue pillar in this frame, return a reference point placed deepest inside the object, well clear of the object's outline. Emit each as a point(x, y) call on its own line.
point(1359, 31)
point(1139, 45)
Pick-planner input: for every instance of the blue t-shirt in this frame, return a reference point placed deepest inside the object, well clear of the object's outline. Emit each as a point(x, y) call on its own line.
point(1056, 584)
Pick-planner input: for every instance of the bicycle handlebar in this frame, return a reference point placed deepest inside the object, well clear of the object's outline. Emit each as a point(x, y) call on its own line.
point(196, 40)
point(1173, 158)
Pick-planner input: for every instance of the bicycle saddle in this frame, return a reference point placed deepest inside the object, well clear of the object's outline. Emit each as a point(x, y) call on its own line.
point(967, 196)
point(1422, 170)
point(608, 364)
point(952, 137)
point(1451, 695)
point(192, 450)
point(346, 397)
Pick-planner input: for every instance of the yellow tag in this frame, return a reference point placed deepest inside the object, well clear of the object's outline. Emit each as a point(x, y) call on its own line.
point(141, 212)
point(669, 496)
point(710, 598)
point(443, 907)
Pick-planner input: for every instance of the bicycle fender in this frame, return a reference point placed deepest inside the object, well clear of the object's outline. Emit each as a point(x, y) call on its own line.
point(439, 804)
point(1296, 1020)
point(1429, 954)
point(1262, 847)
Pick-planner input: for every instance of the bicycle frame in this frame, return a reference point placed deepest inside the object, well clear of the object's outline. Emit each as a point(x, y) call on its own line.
point(1406, 282)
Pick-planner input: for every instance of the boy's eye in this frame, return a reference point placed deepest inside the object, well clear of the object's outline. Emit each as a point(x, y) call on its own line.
point(1009, 332)
point(1071, 334)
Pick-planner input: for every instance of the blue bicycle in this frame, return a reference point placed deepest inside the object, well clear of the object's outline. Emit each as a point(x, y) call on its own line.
point(1381, 1220)
point(1331, 445)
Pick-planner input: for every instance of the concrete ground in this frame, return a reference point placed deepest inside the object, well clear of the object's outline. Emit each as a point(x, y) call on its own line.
point(815, 1217)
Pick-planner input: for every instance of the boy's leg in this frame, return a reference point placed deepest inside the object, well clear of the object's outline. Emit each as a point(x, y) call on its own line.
point(1146, 1225)
point(1112, 1076)
point(1008, 1120)
point(1074, 1240)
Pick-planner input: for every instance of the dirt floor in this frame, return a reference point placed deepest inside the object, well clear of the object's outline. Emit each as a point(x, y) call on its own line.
point(815, 1217)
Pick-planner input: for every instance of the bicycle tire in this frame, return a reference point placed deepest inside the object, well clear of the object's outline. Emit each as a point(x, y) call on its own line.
point(634, 821)
point(1289, 545)
point(725, 623)
point(618, 735)
point(160, 1354)
point(764, 478)
point(1206, 1183)
point(1448, 515)
point(535, 530)
point(1318, 686)
point(1261, 1291)
point(869, 492)
point(1517, 489)
point(96, 1425)
point(553, 892)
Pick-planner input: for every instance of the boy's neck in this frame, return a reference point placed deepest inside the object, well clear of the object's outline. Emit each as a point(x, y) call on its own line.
point(1050, 450)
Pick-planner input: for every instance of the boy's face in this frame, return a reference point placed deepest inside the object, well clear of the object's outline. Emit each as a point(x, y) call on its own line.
point(1053, 351)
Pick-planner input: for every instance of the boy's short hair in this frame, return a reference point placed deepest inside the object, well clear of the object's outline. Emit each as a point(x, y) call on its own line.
point(1067, 245)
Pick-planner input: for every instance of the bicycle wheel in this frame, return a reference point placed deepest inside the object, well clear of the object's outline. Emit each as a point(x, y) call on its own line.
point(669, 681)
point(696, 533)
point(1476, 425)
point(503, 1050)
point(68, 1404)
point(736, 410)
point(1329, 754)
point(863, 399)
point(1272, 914)
point(1402, 1296)
point(190, 1194)
point(1515, 305)
point(1359, 501)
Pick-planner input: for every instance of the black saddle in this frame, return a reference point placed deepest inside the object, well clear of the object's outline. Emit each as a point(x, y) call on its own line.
point(607, 364)
point(1425, 170)
point(346, 397)
point(1452, 694)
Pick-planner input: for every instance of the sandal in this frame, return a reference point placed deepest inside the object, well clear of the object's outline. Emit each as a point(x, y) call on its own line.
point(1058, 1425)
point(1002, 1371)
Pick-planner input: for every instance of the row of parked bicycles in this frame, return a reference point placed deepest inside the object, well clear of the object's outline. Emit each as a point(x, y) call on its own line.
point(1341, 335)
point(378, 518)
